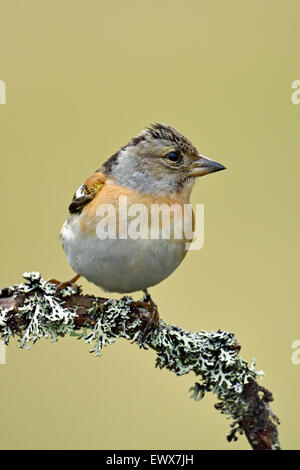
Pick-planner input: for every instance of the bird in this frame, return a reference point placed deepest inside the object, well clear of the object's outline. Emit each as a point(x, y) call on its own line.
point(157, 167)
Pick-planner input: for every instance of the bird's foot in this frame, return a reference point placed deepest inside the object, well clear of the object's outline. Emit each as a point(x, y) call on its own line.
point(153, 320)
point(62, 285)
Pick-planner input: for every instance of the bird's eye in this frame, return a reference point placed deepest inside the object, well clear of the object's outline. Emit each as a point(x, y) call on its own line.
point(173, 157)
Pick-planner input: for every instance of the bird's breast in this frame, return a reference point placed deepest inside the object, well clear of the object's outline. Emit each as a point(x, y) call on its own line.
point(124, 241)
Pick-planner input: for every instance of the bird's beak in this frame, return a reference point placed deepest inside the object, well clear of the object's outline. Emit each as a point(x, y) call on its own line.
point(204, 165)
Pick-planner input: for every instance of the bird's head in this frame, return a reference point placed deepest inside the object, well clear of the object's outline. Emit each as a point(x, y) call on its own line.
point(160, 161)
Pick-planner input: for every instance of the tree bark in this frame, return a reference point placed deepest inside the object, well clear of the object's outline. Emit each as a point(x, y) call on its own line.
point(34, 310)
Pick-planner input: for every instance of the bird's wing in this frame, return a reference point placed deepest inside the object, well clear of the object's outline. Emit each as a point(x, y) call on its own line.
point(87, 192)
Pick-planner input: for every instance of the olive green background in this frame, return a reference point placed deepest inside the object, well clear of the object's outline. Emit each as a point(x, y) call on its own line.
point(82, 78)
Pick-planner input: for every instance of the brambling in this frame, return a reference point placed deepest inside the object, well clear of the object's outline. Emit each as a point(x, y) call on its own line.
point(158, 166)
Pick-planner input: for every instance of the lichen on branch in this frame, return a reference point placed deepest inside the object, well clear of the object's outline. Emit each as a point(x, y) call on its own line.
point(34, 310)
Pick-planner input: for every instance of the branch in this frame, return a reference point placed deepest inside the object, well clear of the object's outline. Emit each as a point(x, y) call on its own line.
point(34, 310)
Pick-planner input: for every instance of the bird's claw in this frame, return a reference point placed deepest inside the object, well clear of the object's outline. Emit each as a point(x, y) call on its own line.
point(153, 320)
point(63, 285)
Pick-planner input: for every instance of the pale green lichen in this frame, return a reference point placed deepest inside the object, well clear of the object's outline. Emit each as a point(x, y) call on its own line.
point(114, 316)
point(5, 329)
point(213, 356)
point(45, 315)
